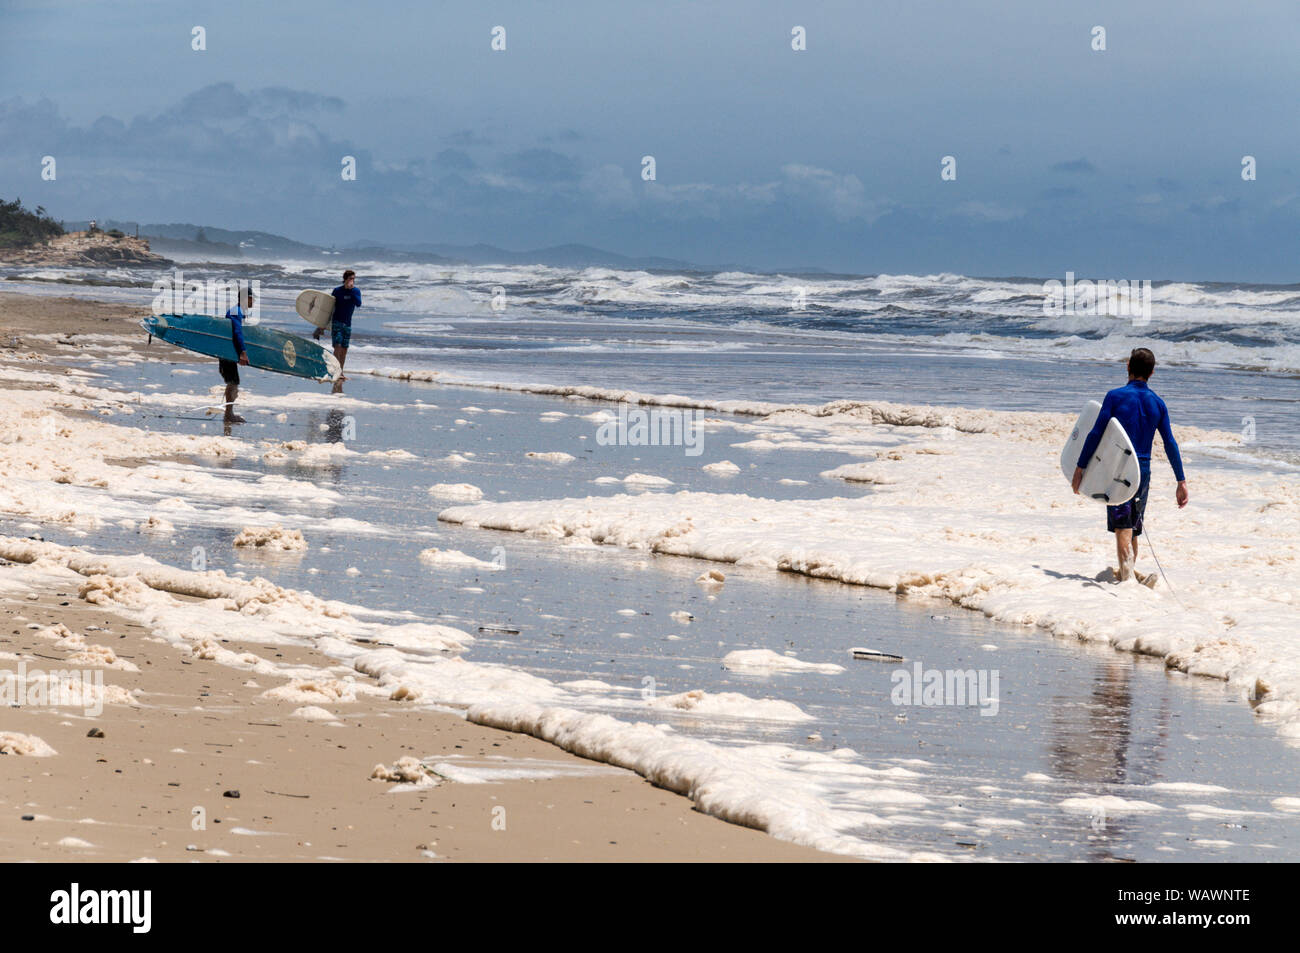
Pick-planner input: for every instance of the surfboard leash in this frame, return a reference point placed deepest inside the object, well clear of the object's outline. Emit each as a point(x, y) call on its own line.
point(1146, 531)
point(184, 416)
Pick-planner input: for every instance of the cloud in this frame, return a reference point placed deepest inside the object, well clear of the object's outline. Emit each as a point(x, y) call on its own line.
point(609, 187)
point(541, 165)
point(269, 158)
point(468, 138)
point(988, 211)
point(455, 159)
point(842, 196)
point(565, 135)
point(800, 193)
point(1215, 205)
point(225, 101)
point(1075, 166)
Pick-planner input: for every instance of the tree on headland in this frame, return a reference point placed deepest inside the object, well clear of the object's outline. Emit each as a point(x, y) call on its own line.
point(20, 227)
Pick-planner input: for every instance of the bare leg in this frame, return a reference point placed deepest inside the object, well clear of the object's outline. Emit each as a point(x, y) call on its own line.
point(1147, 579)
point(232, 393)
point(1124, 550)
point(341, 355)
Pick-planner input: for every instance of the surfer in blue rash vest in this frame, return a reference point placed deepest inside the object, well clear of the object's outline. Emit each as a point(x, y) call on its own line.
point(230, 369)
point(1141, 413)
point(347, 298)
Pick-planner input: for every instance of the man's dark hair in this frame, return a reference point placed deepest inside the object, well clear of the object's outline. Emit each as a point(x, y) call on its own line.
point(1141, 363)
point(349, 274)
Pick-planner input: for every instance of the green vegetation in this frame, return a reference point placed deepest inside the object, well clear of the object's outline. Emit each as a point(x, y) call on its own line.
point(19, 227)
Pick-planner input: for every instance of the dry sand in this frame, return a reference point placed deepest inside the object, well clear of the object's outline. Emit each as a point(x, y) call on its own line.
point(305, 787)
point(57, 328)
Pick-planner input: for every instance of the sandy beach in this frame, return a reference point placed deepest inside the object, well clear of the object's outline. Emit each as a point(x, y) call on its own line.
point(188, 719)
point(433, 559)
point(577, 434)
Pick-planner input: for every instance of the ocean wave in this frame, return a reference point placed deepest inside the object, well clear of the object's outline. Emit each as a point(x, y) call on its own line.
point(1215, 324)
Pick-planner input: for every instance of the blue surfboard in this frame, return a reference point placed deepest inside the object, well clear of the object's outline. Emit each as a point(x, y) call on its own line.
point(267, 349)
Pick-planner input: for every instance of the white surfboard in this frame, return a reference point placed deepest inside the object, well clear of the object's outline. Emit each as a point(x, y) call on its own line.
point(315, 307)
point(1113, 474)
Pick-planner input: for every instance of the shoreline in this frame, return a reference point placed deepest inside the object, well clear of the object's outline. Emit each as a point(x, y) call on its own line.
point(904, 479)
point(305, 788)
point(562, 808)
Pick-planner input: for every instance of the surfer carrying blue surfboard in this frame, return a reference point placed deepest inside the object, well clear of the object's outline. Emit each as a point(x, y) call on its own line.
point(230, 369)
point(1142, 414)
point(347, 298)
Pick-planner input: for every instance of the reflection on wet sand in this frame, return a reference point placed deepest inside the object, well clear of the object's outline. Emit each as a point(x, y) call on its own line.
point(1095, 741)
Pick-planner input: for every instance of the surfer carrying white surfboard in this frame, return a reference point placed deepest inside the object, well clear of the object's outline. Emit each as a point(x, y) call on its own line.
point(230, 369)
point(347, 298)
point(1142, 414)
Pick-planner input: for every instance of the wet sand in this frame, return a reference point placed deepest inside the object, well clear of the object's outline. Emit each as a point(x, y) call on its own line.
point(201, 729)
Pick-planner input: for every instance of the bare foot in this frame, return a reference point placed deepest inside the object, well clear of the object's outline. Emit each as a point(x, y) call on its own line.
point(235, 419)
point(1149, 579)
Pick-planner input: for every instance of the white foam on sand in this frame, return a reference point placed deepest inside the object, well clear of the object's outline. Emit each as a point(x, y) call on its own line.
point(787, 791)
point(100, 656)
point(646, 479)
point(765, 660)
point(1107, 804)
point(732, 705)
point(586, 392)
point(271, 538)
point(314, 691)
point(490, 770)
point(769, 787)
point(1188, 787)
point(455, 559)
point(721, 468)
point(313, 713)
point(753, 784)
point(59, 465)
point(67, 690)
point(455, 491)
point(229, 611)
point(793, 793)
point(406, 771)
point(30, 746)
point(1030, 553)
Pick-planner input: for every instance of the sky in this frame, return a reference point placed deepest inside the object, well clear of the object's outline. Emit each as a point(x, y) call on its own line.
point(1117, 163)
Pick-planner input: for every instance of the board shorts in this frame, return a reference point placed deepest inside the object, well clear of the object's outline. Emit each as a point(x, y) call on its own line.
point(229, 371)
point(1129, 515)
point(340, 334)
